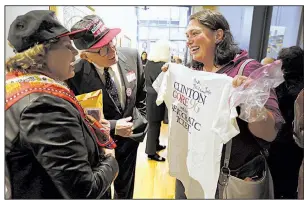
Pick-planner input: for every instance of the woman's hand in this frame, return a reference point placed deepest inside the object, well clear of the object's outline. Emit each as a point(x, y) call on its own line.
point(238, 80)
point(109, 152)
point(261, 121)
point(258, 114)
point(105, 123)
point(165, 67)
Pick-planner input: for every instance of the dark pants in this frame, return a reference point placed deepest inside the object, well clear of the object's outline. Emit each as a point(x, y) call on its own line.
point(179, 190)
point(153, 137)
point(166, 119)
point(125, 154)
point(284, 161)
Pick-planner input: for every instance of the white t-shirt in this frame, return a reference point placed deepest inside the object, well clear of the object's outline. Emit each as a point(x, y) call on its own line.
point(201, 121)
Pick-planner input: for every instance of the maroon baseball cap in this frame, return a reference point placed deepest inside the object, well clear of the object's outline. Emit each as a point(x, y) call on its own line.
point(93, 33)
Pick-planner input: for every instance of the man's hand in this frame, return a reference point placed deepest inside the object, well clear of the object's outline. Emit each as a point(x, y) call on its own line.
point(124, 127)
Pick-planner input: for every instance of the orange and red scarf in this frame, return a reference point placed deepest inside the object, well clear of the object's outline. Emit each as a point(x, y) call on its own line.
point(18, 85)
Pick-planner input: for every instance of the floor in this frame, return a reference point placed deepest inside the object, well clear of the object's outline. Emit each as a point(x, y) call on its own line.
point(152, 179)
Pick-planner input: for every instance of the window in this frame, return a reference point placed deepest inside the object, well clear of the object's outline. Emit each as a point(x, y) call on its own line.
point(240, 21)
point(177, 33)
point(162, 22)
point(284, 29)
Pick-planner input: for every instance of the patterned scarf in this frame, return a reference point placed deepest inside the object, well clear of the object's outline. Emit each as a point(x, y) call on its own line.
point(19, 84)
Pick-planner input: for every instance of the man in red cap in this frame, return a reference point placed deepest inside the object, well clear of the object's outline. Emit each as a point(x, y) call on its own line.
point(119, 73)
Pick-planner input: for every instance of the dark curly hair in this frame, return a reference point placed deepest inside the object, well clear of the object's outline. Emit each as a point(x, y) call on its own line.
point(225, 50)
point(287, 92)
point(293, 68)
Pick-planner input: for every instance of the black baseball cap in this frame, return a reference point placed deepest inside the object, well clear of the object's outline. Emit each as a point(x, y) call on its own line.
point(96, 34)
point(36, 27)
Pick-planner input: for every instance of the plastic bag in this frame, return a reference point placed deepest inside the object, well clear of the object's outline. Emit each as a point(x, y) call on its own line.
point(253, 94)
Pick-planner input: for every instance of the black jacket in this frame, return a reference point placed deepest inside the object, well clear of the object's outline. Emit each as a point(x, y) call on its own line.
point(154, 112)
point(87, 80)
point(51, 153)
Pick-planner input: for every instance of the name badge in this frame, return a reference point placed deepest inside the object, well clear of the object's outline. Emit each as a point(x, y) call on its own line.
point(131, 76)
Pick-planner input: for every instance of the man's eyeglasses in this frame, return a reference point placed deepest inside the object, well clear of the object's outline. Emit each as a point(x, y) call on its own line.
point(106, 49)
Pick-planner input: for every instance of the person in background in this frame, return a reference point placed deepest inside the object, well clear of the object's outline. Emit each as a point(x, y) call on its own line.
point(159, 55)
point(143, 57)
point(175, 58)
point(299, 137)
point(166, 118)
point(179, 61)
point(210, 42)
point(267, 60)
point(284, 148)
point(118, 72)
point(51, 151)
point(172, 59)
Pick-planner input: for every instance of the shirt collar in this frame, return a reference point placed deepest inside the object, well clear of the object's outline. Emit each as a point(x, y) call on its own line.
point(101, 69)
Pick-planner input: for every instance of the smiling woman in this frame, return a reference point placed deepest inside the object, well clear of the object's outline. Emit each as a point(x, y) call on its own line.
point(48, 58)
point(47, 133)
point(211, 44)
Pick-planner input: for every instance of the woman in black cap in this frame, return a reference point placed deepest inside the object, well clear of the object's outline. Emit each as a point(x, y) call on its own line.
point(52, 149)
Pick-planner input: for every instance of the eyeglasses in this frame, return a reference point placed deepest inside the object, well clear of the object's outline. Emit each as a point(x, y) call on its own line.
point(106, 49)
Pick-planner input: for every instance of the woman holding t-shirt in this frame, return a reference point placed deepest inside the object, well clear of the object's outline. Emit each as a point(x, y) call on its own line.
point(210, 42)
